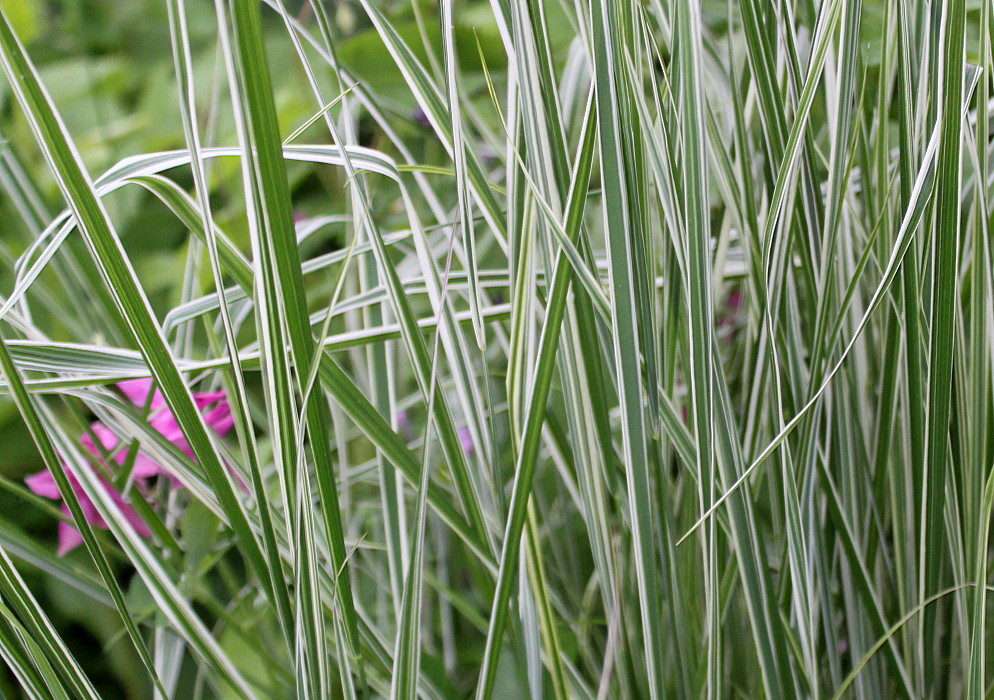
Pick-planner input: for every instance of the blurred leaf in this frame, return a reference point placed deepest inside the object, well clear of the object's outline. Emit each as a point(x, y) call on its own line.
point(26, 17)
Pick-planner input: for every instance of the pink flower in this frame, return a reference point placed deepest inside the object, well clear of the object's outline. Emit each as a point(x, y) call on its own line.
point(217, 414)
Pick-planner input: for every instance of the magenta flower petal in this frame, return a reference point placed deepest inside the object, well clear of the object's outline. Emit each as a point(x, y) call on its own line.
point(69, 536)
point(164, 422)
point(144, 467)
point(205, 399)
point(217, 415)
point(220, 419)
point(89, 510)
point(137, 390)
point(43, 484)
point(108, 440)
point(130, 514)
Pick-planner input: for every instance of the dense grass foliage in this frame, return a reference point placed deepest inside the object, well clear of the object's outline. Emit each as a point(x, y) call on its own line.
point(594, 349)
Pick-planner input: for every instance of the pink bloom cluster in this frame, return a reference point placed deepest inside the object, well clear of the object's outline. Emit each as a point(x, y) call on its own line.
point(217, 414)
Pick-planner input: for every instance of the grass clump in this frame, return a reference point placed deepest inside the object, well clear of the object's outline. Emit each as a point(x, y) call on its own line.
point(519, 349)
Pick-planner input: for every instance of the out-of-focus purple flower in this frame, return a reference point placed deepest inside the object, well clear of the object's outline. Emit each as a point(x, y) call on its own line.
point(467, 440)
point(217, 415)
point(734, 300)
point(730, 321)
point(404, 425)
point(487, 155)
point(420, 116)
